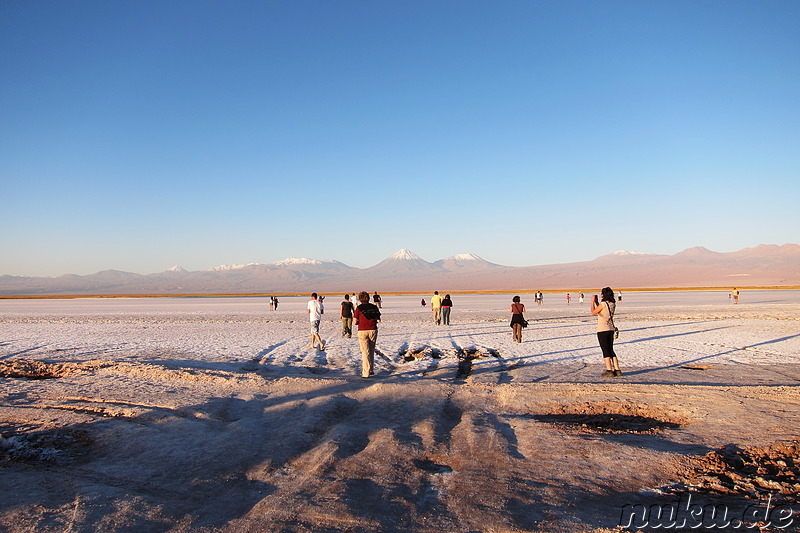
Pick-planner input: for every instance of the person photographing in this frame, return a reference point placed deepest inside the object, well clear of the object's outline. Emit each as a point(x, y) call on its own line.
point(604, 309)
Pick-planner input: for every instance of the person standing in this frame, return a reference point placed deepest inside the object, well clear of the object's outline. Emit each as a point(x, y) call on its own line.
point(606, 329)
point(569, 298)
point(580, 299)
point(447, 304)
point(376, 299)
point(275, 302)
point(367, 316)
point(436, 307)
point(347, 317)
point(315, 311)
point(271, 303)
point(517, 318)
point(735, 293)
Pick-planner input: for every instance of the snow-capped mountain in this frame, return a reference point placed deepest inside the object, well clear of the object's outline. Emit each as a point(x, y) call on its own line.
point(462, 262)
point(297, 261)
point(404, 255)
point(404, 270)
point(224, 268)
point(402, 262)
point(624, 253)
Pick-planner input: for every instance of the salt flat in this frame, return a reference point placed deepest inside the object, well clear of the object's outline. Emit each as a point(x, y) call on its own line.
point(211, 413)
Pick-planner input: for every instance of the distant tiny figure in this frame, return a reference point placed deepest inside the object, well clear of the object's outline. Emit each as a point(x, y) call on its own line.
point(275, 303)
point(619, 295)
point(347, 317)
point(541, 298)
point(517, 318)
point(315, 311)
point(436, 307)
point(447, 304)
point(376, 299)
point(367, 316)
point(606, 331)
point(580, 299)
point(569, 298)
point(423, 302)
point(735, 295)
point(271, 303)
point(536, 298)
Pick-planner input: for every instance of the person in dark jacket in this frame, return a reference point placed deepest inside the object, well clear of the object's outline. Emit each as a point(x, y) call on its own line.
point(447, 304)
point(347, 317)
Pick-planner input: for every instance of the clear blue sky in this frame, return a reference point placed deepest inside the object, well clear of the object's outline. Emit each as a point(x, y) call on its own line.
point(139, 135)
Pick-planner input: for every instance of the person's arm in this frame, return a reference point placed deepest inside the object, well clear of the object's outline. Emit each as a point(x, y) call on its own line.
point(596, 308)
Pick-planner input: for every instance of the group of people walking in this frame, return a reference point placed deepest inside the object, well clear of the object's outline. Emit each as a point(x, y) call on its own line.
point(366, 317)
point(440, 307)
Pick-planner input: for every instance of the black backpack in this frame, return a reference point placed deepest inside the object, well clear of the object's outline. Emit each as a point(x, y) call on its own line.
point(370, 311)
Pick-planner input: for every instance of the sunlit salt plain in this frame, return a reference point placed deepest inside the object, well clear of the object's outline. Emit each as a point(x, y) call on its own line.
point(657, 329)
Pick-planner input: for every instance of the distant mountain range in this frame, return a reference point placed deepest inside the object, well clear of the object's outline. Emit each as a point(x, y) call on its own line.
point(764, 265)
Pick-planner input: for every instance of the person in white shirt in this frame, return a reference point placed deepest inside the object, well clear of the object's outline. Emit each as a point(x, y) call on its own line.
point(315, 311)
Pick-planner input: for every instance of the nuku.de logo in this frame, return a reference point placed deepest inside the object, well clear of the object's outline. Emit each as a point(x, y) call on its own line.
point(685, 514)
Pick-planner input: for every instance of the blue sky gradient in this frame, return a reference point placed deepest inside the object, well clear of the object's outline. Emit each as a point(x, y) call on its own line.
point(139, 135)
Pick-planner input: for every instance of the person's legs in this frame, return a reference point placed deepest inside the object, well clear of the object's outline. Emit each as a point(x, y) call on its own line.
point(517, 332)
point(446, 316)
point(606, 341)
point(372, 337)
point(366, 341)
point(315, 335)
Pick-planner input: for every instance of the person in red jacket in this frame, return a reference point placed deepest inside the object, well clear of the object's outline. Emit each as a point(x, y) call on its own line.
point(366, 317)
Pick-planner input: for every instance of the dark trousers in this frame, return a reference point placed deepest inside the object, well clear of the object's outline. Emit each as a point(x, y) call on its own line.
point(606, 340)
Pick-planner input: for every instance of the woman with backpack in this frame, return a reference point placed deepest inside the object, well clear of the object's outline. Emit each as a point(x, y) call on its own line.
point(366, 317)
point(517, 318)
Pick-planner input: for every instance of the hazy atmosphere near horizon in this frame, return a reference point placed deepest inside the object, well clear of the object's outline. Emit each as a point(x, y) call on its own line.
point(139, 135)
